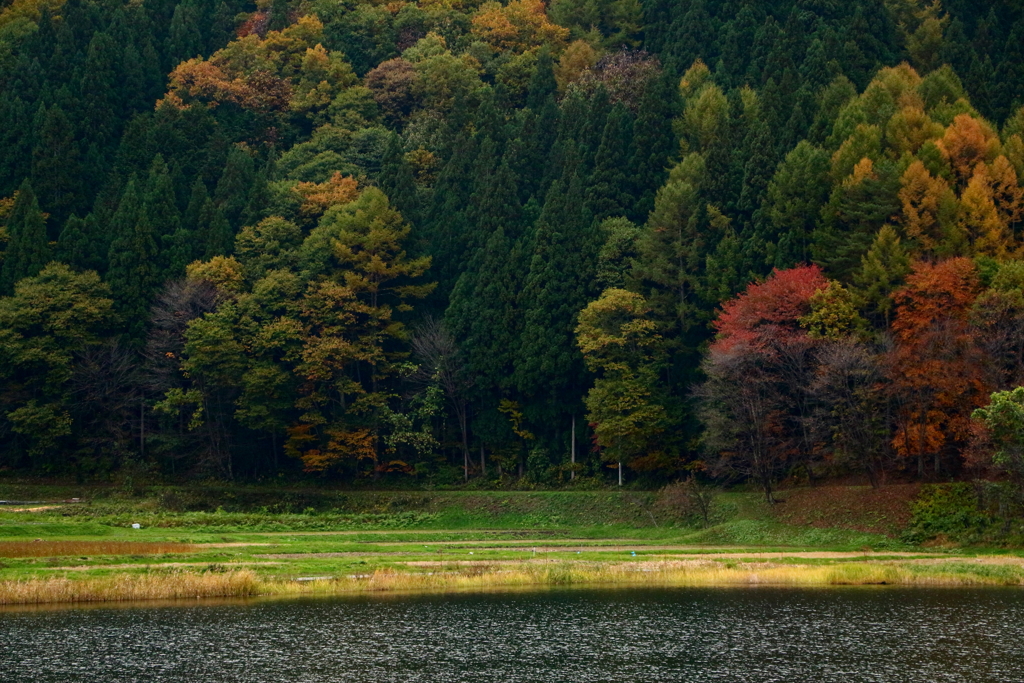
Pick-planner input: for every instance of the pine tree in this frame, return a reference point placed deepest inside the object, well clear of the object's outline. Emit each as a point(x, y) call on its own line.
point(484, 315)
point(530, 148)
point(447, 224)
point(542, 84)
point(759, 167)
point(549, 368)
point(159, 200)
point(396, 180)
point(882, 270)
point(81, 245)
point(608, 192)
point(221, 28)
point(694, 37)
point(183, 40)
point(234, 186)
point(99, 103)
point(259, 196)
point(197, 200)
point(654, 143)
point(15, 140)
point(28, 249)
point(161, 211)
point(214, 232)
point(179, 250)
point(133, 272)
point(56, 171)
point(793, 204)
point(588, 134)
point(495, 206)
point(851, 218)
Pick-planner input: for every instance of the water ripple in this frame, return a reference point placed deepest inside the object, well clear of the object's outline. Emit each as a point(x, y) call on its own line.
point(762, 636)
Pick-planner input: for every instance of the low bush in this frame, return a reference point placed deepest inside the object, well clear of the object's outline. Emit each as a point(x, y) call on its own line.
point(949, 510)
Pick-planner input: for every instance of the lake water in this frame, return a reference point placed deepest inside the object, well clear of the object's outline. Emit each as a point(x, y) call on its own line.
point(762, 635)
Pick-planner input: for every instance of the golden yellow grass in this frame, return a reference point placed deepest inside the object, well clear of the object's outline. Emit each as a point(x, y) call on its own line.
point(685, 573)
point(172, 585)
point(86, 548)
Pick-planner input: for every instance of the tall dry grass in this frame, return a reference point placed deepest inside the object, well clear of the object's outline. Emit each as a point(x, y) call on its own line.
point(40, 548)
point(172, 585)
point(684, 573)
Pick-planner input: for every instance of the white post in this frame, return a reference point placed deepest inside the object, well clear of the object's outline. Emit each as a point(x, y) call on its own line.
point(620, 473)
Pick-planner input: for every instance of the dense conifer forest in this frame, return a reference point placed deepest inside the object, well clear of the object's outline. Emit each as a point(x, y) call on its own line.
point(515, 243)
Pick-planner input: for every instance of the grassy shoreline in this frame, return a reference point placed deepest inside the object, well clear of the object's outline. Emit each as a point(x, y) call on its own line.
point(333, 543)
point(176, 585)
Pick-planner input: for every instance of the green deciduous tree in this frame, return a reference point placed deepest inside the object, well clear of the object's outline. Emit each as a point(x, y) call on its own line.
point(1003, 419)
point(621, 345)
point(50, 318)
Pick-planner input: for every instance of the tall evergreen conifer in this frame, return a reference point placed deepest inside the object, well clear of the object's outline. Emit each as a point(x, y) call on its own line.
point(133, 274)
point(234, 186)
point(549, 368)
point(28, 249)
point(396, 180)
point(56, 170)
point(654, 143)
point(81, 245)
point(608, 193)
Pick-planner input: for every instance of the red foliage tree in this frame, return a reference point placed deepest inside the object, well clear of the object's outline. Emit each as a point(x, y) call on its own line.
point(767, 314)
point(755, 400)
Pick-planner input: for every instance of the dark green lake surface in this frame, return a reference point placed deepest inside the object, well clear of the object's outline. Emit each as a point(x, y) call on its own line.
point(761, 635)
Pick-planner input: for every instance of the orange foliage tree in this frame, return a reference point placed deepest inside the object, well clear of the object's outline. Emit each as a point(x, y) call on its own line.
point(968, 142)
point(936, 365)
point(287, 71)
point(318, 197)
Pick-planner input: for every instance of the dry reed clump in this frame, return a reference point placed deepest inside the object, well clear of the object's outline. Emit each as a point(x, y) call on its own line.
point(40, 548)
point(172, 585)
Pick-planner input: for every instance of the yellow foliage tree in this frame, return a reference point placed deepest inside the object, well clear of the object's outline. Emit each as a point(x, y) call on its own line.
point(576, 59)
point(909, 129)
point(1006, 192)
point(980, 219)
point(518, 26)
point(922, 196)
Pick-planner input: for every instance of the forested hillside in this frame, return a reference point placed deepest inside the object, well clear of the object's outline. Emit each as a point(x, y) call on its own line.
point(424, 242)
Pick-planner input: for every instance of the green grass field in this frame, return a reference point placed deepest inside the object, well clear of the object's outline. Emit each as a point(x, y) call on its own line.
point(199, 541)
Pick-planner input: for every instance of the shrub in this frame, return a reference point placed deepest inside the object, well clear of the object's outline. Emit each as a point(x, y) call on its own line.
point(947, 509)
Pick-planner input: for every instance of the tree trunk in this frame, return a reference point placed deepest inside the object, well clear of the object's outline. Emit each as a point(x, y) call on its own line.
point(872, 476)
point(572, 472)
point(620, 473)
point(483, 463)
point(460, 409)
point(142, 429)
